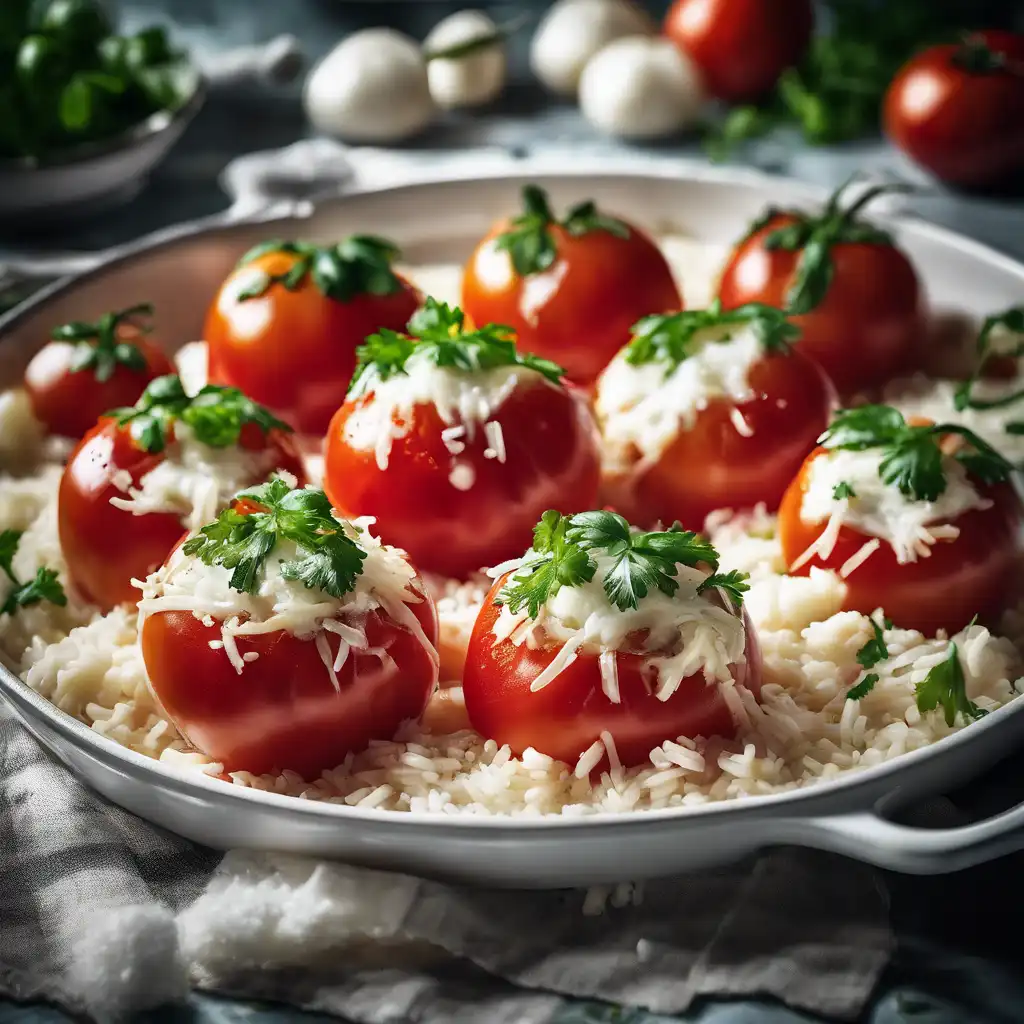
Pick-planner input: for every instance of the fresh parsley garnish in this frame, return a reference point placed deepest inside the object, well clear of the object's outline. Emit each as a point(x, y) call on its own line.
point(843, 490)
point(357, 265)
point(44, 586)
point(98, 345)
point(944, 687)
point(529, 241)
point(436, 335)
point(814, 235)
point(911, 456)
point(328, 558)
point(563, 555)
point(875, 650)
point(670, 338)
point(863, 688)
point(216, 415)
point(1011, 320)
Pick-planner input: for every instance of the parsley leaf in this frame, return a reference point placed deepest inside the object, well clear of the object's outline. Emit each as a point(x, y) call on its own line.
point(242, 537)
point(863, 688)
point(945, 687)
point(437, 336)
point(1011, 320)
point(673, 338)
point(734, 583)
point(528, 240)
point(553, 562)
point(44, 586)
point(357, 265)
point(216, 415)
point(843, 490)
point(875, 649)
point(911, 456)
point(99, 346)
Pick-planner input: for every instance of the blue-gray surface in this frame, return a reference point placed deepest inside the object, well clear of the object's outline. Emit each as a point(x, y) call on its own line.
point(957, 961)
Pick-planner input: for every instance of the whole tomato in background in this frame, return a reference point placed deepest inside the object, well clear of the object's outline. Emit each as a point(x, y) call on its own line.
point(285, 325)
point(957, 110)
point(741, 46)
point(852, 291)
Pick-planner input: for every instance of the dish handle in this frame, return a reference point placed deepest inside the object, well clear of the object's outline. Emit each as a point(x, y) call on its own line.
point(868, 836)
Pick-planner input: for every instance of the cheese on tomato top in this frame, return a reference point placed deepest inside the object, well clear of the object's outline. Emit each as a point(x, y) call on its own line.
point(194, 481)
point(687, 633)
point(387, 581)
point(880, 510)
point(642, 409)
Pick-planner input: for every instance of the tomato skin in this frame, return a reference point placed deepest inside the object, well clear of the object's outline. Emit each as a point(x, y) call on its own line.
point(294, 350)
point(740, 46)
point(965, 127)
point(867, 327)
point(69, 403)
point(714, 466)
point(961, 578)
point(565, 717)
point(579, 312)
point(106, 547)
point(282, 711)
point(551, 462)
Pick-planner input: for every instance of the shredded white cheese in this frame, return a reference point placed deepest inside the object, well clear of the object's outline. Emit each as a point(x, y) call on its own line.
point(879, 510)
point(642, 409)
point(187, 584)
point(194, 481)
point(686, 634)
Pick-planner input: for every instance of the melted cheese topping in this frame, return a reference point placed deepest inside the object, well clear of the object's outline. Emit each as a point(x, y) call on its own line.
point(686, 633)
point(465, 403)
point(387, 581)
point(879, 510)
point(642, 409)
point(195, 481)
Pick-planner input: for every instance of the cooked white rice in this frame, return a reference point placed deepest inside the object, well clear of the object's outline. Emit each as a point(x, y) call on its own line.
point(802, 730)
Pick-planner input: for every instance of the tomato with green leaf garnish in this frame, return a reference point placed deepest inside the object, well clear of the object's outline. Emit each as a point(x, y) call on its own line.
point(285, 325)
point(607, 632)
point(571, 289)
point(708, 409)
point(88, 368)
point(456, 442)
point(850, 289)
point(320, 640)
point(957, 109)
point(918, 519)
point(740, 47)
point(139, 478)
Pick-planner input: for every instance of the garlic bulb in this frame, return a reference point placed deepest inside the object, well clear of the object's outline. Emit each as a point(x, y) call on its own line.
point(640, 88)
point(474, 74)
point(571, 33)
point(372, 87)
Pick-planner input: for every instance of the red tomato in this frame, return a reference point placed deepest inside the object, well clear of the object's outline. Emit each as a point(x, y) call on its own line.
point(292, 349)
point(551, 461)
point(106, 547)
point(741, 46)
point(961, 578)
point(565, 717)
point(282, 711)
point(790, 409)
point(579, 311)
point(69, 402)
point(865, 329)
point(958, 109)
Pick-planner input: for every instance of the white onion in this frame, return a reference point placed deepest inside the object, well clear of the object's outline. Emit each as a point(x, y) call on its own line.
point(639, 88)
point(465, 81)
point(372, 87)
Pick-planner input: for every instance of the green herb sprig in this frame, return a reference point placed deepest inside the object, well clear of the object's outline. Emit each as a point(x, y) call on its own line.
point(216, 415)
point(44, 586)
point(329, 559)
point(911, 457)
point(1012, 320)
point(529, 241)
point(437, 337)
point(99, 347)
point(477, 44)
point(873, 652)
point(563, 555)
point(357, 265)
point(670, 338)
point(945, 687)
